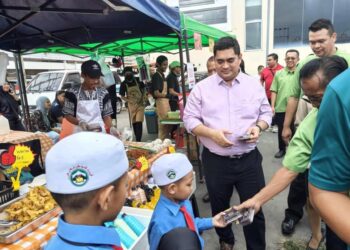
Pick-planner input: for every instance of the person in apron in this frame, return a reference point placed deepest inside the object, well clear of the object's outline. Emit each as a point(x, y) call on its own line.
point(133, 92)
point(160, 93)
point(88, 106)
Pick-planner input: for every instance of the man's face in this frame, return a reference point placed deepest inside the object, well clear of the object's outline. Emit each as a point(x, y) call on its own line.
point(177, 71)
point(163, 66)
point(211, 68)
point(291, 59)
point(227, 64)
point(312, 89)
point(271, 63)
point(6, 87)
point(322, 43)
point(89, 82)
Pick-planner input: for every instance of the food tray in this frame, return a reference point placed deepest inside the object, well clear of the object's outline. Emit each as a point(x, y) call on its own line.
point(31, 226)
point(23, 231)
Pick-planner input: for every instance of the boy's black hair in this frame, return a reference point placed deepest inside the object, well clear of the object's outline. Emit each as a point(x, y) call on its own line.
point(77, 202)
point(274, 56)
point(227, 42)
point(160, 59)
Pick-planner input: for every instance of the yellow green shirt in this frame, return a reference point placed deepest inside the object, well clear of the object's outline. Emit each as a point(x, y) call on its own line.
point(298, 154)
point(282, 85)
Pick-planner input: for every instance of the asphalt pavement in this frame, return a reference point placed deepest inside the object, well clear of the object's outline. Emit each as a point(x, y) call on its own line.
point(273, 210)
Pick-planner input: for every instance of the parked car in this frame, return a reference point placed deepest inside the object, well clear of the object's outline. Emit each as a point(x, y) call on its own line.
point(48, 83)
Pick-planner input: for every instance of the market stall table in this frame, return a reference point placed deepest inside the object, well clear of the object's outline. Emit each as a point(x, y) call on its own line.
point(16, 137)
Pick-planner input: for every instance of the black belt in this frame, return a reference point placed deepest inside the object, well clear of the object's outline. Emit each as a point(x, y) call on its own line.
point(240, 156)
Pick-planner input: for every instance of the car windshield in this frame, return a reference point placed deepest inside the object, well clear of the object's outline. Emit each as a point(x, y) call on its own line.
point(45, 82)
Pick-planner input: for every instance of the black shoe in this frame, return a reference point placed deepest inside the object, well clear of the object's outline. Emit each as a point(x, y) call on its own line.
point(280, 154)
point(206, 198)
point(288, 226)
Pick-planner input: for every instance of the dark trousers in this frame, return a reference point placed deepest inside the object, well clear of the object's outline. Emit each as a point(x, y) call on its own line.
point(173, 105)
point(222, 174)
point(279, 120)
point(297, 197)
point(333, 242)
point(137, 126)
point(16, 125)
point(112, 91)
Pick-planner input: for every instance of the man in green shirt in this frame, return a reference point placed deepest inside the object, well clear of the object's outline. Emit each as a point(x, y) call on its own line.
point(280, 92)
point(322, 38)
point(314, 76)
point(329, 176)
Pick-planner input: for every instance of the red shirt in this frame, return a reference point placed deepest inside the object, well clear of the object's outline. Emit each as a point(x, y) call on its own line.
point(267, 75)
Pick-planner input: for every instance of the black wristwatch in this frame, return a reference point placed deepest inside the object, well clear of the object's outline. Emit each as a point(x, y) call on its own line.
point(260, 129)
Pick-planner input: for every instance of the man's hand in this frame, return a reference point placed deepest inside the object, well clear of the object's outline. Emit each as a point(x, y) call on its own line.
point(253, 202)
point(218, 136)
point(254, 133)
point(273, 110)
point(286, 135)
point(218, 220)
point(83, 125)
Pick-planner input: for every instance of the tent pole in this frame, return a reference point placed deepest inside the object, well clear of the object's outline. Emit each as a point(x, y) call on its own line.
point(183, 90)
point(186, 46)
point(22, 85)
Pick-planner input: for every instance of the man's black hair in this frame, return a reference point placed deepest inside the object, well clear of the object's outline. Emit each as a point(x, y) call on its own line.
point(160, 59)
point(329, 66)
point(227, 42)
point(274, 56)
point(322, 24)
point(292, 50)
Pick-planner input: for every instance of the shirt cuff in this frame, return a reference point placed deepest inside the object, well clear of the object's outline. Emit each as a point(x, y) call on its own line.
point(266, 118)
point(192, 124)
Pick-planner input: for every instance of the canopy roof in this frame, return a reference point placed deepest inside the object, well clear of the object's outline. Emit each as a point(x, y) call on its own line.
point(149, 44)
point(26, 24)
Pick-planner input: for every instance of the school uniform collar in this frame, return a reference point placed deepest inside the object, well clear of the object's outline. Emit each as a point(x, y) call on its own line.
point(83, 234)
point(173, 207)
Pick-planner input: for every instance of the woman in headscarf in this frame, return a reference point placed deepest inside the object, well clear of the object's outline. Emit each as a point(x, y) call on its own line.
point(9, 107)
point(40, 120)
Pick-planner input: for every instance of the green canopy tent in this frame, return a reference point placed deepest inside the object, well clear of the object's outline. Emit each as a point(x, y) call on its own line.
point(144, 45)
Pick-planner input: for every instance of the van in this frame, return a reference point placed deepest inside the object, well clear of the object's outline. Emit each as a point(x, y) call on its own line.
point(49, 82)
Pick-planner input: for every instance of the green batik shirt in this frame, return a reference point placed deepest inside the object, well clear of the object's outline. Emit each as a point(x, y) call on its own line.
point(282, 85)
point(299, 150)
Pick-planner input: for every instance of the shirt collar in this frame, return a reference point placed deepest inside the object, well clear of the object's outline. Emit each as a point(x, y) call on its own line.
point(173, 207)
point(220, 81)
point(99, 235)
point(289, 71)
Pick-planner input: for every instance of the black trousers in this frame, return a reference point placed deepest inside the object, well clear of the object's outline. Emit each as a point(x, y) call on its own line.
point(297, 197)
point(279, 120)
point(246, 175)
point(112, 90)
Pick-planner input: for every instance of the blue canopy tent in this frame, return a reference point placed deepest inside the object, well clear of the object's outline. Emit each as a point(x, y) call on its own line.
point(27, 24)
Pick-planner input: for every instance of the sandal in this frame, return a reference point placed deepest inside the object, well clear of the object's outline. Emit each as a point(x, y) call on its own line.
point(319, 244)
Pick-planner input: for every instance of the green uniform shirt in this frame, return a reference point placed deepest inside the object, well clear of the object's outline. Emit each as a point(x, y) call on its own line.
point(282, 85)
point(299, 150)
point(296, 90)
point(331, 154)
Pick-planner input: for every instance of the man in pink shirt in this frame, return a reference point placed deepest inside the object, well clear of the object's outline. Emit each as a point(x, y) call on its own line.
point(220, 110)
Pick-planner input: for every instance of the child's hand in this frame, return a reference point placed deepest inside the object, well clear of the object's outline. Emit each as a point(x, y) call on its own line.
point(218, 220)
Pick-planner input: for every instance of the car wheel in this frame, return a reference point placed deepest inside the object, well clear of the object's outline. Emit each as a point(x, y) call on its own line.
point(119, 105)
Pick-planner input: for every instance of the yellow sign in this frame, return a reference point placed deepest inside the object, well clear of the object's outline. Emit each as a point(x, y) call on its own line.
point(144, 163)
point(24, 157)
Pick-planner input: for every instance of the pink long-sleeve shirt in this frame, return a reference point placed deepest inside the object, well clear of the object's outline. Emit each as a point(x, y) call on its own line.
point(236, 108)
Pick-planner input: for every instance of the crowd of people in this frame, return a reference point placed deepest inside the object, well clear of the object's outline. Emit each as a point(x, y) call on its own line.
point(307, 101)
